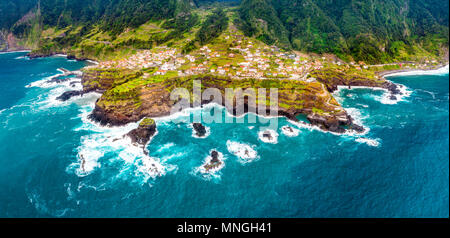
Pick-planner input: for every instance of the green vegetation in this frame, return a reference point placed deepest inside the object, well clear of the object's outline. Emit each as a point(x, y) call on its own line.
point(146, 122)
point(371, 31)
point(215, 24)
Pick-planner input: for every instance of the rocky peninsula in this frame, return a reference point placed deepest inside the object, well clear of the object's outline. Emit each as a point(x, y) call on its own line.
point(129, 97)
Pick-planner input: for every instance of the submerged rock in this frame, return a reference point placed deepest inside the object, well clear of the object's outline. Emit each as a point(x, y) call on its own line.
point(393, 97)
point(200, 130)
point(145, 131)
point(357, 128)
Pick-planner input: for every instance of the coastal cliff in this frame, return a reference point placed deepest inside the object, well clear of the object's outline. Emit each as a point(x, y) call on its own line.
point(128, 97)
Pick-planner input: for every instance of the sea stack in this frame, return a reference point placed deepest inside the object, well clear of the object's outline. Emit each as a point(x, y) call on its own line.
point(267, 135)
point(199, 129)
point(214, 162)
point(215, 157)
point(144, 132)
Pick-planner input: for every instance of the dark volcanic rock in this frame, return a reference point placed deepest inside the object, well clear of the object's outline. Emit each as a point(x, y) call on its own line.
point(357, 128)
point(267, 135)
point(334, 124)
point(392, 87)
point(59, 79)
point(145, 131)
point(69, 94)
point(34, 55)
point(200, 129)
point(215, 157)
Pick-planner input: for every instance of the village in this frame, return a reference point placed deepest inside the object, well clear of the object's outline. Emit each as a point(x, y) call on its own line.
point(235, 57)
point(239, 57)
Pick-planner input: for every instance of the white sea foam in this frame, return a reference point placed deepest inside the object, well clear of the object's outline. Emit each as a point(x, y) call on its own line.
point(59, 55)
point(45, 82)
point(184, 115)
point(194, 134)
point(11, 52)
point(149, 167)
point(368, 141)
point(290, 131)
point(56, 89)
point(113, 140)
point(385, 98)
point(92, 62)
point(165, 147)
point(22, 58)
point(245, 153)
point(271, 139)
point(441, 71)
point(94, 147)
point(213, 172)
point(405, 92)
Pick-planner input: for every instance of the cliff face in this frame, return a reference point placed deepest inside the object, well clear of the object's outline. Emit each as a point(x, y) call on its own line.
point(3, 43)
point(8, 42)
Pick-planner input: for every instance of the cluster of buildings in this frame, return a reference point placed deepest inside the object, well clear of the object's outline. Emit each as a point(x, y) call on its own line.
point(242, 60)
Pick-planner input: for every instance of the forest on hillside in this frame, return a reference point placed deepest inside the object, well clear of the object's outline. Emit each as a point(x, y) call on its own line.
point(366, 30)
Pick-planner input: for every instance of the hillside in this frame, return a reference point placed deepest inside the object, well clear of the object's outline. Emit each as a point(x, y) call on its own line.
point(355, 30)
point(371, 31)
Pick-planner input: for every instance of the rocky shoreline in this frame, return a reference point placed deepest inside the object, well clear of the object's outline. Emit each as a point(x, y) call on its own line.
point(156, 103)
point(395, 71)
point(35, 55)
point(153, 100)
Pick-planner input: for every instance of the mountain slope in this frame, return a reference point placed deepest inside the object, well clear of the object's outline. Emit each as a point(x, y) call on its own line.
point(360, 30)
point(368, 30)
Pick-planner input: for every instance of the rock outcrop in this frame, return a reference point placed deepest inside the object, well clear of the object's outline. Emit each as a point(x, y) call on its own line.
point(199, 129)
point(214, 162)
point(145, 131)
point(69, 94)
point(128, 98)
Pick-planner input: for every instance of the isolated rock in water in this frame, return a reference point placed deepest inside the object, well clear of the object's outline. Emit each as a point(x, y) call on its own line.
point(289, 129)
point(215, 157)
point(200, 129)
point(145, 131)
point(213, 163)
point(69, 94)
point(267, 135)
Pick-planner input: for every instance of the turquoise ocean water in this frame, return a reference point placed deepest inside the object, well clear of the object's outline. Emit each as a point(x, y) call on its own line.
point(399, 168)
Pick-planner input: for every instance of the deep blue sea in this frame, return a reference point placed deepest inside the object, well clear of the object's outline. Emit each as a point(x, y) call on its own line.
point(399, 168)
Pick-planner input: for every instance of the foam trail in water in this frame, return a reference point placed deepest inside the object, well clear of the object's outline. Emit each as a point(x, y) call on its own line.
point(368, 141)
point(245, 153)
point(441, 71)
point(268, 136)
point(114, 140)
